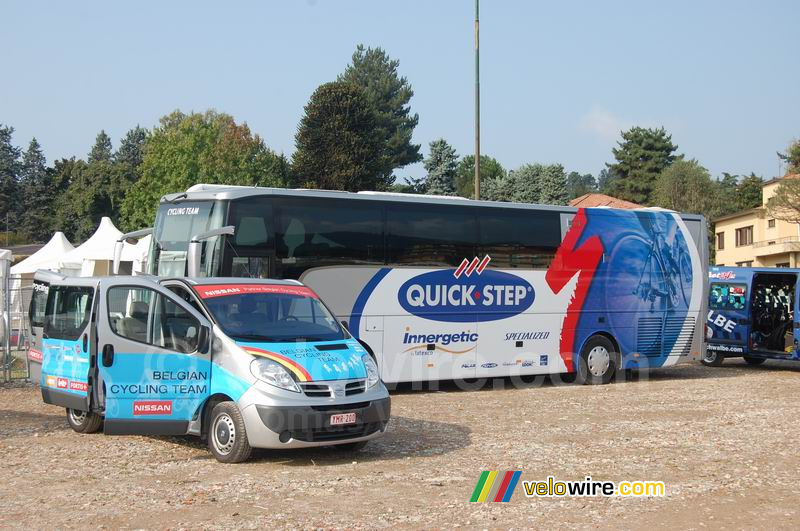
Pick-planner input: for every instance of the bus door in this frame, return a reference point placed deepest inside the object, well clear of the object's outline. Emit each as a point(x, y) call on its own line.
point(153, 358)
point(728, 316)
point(67, 340)
point(36, 313)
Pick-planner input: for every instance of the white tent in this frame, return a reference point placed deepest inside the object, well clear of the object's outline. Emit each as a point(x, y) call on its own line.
point(48, 257)
point(96, 255)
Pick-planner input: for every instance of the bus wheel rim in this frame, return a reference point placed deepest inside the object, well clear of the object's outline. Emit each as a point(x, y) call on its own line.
point(78, 417)
point(224, 434)
point(598, 361)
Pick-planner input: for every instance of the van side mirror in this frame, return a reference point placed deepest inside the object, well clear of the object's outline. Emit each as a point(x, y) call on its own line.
point(203, 340)
point(346, 325)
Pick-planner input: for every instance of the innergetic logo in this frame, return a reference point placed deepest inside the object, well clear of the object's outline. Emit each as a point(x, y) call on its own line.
point(490, 296)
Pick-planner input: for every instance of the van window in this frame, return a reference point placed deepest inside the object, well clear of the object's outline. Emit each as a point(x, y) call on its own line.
point(38, 304)
point(726, 296)
point(68, 310)
point(146, 316)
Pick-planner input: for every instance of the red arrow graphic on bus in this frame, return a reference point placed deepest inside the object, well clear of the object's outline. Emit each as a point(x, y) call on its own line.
point(475, 266)
point(567, 262)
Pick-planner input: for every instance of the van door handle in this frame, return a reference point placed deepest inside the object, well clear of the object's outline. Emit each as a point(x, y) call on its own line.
point(108, 355)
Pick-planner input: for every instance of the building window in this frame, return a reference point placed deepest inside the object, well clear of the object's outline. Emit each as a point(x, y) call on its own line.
point(744, 236)
point(771, 223)
point(782, 264)
point(748, 263)
point(720, 241)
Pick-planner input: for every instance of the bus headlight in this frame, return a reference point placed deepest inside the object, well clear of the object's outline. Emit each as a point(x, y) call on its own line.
point(372, 370)
point(273, 373)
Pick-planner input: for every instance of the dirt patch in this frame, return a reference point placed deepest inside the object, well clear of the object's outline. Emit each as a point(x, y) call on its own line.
point(722, 440)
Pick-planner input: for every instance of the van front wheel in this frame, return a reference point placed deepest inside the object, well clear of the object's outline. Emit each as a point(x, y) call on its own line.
point(227, 436)
point(84, 421)
point(712, 358)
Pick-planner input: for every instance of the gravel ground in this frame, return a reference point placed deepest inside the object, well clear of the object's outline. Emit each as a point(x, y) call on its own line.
point(723, 441)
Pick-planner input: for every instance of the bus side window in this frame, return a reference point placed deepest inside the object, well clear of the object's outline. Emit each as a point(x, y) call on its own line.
point(519, 238)
point(443, 236)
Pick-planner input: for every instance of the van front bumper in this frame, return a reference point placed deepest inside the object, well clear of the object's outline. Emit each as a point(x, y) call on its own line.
point(302, 426)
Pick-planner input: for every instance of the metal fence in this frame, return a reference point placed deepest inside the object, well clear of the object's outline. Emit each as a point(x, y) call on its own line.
point(15, 364)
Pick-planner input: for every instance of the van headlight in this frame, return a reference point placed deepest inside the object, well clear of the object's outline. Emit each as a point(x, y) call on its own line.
point(273, 373)
point(372, 370)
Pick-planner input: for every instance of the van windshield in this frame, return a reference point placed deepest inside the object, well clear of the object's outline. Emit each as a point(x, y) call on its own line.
point(270, 313)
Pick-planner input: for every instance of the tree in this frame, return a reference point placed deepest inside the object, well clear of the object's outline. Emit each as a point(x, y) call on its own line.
point(36, 196)
point(101, 151)
point(553, 185)
point(389, 95)
point(9, 175)
point(76, 212)
point(525, 183)
point(685, 186)
point(606, 181)
point(748, 192)
point(441, 166)
point(465, 177)
point(785, 204)
point(499, 188)
point(641, 156)
point(187, 149)
point(336, 144)
point(792, 158)
point(578, 185)
point(131, 148)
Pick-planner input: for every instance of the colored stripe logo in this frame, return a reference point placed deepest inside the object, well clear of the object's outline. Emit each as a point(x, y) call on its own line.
point(495, 487)
point(295, 368)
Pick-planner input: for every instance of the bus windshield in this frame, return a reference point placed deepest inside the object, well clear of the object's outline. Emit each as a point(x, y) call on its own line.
point(270, 313)
point(175, 225)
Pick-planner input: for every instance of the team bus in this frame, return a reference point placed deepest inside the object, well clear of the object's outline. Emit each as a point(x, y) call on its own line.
point(448, 288)
point(752, 313)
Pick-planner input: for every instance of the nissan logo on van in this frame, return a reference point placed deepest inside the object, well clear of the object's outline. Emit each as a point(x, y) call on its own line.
point(440, 296)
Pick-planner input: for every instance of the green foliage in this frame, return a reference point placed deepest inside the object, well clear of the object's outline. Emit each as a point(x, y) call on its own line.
point(101, 151)
point(553, 185)
point(441, 166)
point(465, 174)
point(605, 181)
point(792, 157)
point(186, 149)
point(578, 185)
point(337, 148)
point(9, 174)
point(685, 186)
point(37, 195)
point(131, 149)
point(749, 192)
point(785, 204)
point(389, 95)
point(530, 183)
point(641, 156)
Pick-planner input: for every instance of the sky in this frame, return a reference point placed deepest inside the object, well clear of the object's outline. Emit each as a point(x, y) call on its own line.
point(559, 80)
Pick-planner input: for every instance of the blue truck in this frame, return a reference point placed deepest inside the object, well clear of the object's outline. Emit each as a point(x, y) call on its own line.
point(752, 314)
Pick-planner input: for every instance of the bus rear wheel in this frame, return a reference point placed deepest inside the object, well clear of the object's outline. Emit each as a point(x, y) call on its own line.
point(754, 361)
point(84, 421)
point(712, 358)
point(598, 361)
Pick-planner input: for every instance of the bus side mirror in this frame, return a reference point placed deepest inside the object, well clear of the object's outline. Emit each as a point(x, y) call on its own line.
point(203, 340)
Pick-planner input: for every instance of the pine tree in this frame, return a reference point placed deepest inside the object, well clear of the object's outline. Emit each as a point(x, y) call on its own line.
point(578, 185)
point(527, 183)
point(554, 185)
point(337, 148)
point(101, 151)
point(131, 147)
point(389, 94)
point(9, 175)
point(641, 156)
point(441, 165)
point(36, 194)
point(465, 179)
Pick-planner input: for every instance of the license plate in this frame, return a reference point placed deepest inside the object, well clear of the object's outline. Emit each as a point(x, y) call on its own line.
point(343, 418)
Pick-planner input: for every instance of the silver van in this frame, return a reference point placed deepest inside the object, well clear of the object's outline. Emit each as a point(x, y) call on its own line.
point(242, 362)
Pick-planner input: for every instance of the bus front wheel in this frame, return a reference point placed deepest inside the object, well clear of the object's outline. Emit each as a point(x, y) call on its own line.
point(598, 361)
point(712, 358)
point(84, 421)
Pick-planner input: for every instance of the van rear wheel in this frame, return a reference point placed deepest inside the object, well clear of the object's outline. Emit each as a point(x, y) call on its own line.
point(84, 421)
point(754, 361)
point(227, 435)
point(712, 358)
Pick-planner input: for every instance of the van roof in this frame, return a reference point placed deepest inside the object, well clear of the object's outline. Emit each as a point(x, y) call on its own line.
point(205, 281)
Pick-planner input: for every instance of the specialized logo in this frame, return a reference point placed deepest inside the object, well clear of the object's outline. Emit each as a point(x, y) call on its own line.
point(495, 488)
point(443, 296)
point(152, 407)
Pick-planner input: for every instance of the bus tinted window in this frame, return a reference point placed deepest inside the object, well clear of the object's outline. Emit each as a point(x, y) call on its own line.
point(68, 309)
point(519, 238)
point(314, 233)
point(437, 235)
point(724, 296)
point(253, 239)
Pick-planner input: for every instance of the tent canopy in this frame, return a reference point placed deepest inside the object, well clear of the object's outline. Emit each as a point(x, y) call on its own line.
point(96, 254)
point(48, 257)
